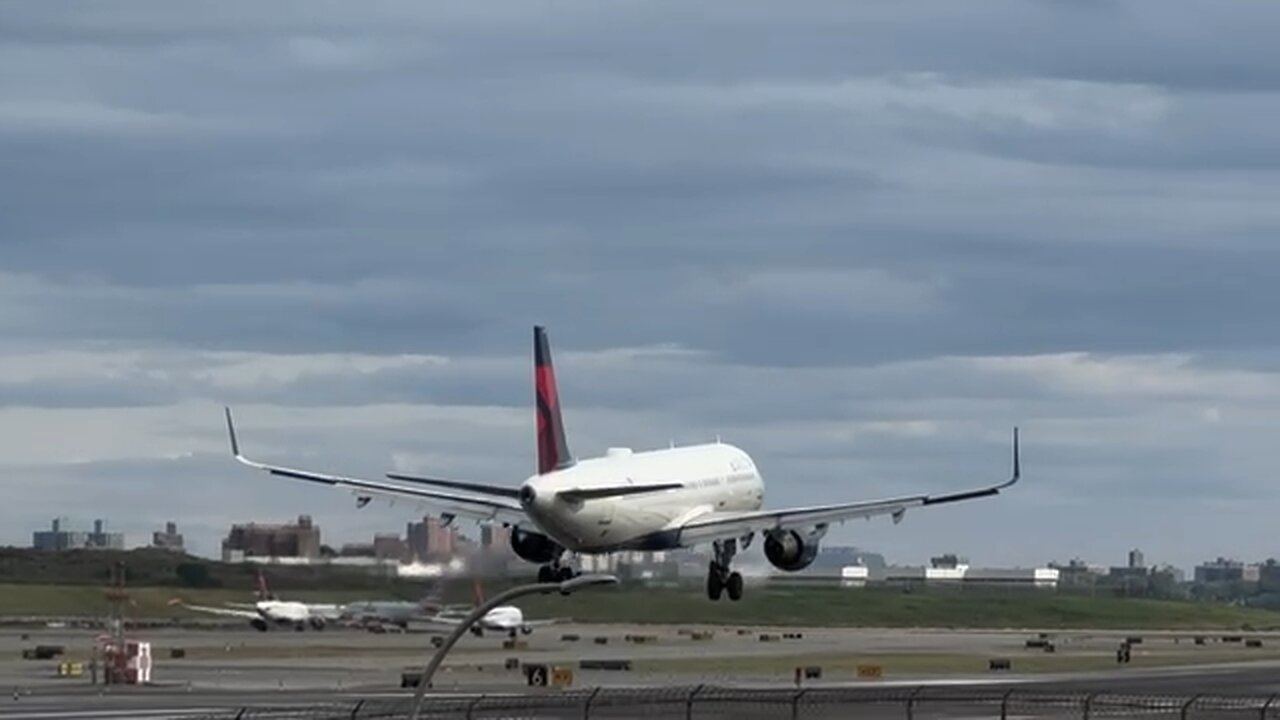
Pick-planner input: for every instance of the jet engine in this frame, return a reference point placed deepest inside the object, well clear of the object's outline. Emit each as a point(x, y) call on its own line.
point(534, 547)
point(791, 551)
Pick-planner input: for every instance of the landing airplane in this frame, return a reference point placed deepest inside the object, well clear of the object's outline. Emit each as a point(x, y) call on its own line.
point(625, 500)
point(269, 611)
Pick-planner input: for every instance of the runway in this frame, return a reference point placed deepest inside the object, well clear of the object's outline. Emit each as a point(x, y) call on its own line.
point(230, 670)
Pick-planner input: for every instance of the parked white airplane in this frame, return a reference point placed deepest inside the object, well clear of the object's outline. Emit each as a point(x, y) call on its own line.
point(625, 500)
point(270, 612)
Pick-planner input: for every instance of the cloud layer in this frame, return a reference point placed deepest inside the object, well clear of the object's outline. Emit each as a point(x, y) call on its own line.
point(860, 241)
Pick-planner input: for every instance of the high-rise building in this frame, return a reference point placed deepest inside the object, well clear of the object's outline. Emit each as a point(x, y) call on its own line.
point(495, 539)
point(431, 539)
point(60, 538)
point(168, 539)
point(1136, 560)
point(298, 540)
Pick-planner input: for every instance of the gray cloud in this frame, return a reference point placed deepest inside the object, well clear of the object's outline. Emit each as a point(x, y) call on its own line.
point(829, 217)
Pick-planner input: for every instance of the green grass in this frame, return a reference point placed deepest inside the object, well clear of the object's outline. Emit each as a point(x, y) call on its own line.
point(143, 602)
point(931, 663)
point(811, 606)
point(837, 607)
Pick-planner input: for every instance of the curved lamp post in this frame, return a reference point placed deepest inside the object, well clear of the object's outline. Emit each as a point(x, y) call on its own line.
point(564, 588)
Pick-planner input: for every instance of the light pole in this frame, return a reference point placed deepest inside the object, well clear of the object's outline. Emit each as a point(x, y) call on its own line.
point(564, 588)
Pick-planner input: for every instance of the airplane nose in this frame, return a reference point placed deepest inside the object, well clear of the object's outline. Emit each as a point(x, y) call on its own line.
point(527, 494)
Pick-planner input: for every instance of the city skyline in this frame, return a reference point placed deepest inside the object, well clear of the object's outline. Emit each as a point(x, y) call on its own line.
point(485, 537)
point(860, 241)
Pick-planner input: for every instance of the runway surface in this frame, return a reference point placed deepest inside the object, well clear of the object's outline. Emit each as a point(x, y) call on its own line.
point(230, 670)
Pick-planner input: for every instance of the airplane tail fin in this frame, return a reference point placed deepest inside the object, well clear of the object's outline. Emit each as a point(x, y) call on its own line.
point(553, 449)
point(479, 592)
point(264, 592)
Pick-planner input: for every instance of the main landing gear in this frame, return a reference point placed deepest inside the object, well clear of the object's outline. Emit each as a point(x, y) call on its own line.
point(556, 572)
point(719, 577)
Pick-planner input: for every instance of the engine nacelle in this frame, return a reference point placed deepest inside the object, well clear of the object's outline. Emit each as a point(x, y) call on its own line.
point(789, 550)
point(534, 547)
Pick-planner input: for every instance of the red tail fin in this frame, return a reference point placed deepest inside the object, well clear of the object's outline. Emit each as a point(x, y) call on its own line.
point(264, 592)
point(553, 450)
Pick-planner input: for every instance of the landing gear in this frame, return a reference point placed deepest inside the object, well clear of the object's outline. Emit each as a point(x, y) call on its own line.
point(720, 579)
point(556, 572)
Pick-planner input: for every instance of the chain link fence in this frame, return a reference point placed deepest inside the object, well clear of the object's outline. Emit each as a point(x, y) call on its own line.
point(708, 702)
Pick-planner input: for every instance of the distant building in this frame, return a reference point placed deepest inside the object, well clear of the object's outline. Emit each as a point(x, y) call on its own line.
point(1226, 571)
point(300, 540)
point(495, 539)
point(430, 539)
point(1136, 560)
point(168, 539)
point(390, 547)
point(59, 538)
point(957, 572)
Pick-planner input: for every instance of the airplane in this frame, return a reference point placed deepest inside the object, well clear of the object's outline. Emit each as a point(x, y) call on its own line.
point(269, 611)
point(504, 618)
point(627, 500)
point(400, 613)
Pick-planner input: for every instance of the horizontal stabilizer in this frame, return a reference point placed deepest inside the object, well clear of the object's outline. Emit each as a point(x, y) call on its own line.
point(479, 488)
point(579, 495)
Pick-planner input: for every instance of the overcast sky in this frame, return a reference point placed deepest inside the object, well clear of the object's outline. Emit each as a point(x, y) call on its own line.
point(860, 240)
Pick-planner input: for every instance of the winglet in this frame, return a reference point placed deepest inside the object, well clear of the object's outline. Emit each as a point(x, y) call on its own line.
point(1017, 465)
point(231, 431)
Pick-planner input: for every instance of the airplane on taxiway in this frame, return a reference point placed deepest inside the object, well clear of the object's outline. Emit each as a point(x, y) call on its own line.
point(271, 612)
point(625, 500)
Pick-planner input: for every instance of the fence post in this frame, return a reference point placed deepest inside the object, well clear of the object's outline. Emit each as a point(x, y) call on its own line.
point(1004, 706)
point(795, 703)
point(1088, 704)
point(472, 707)
point(355, 711)
point(1266, 707)
point(586, 709)
point(911, 702)
point(688, 702)
point(1187, 706)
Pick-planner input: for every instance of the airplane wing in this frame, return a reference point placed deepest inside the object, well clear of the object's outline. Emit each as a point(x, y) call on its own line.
point(500, 509)
point(722, 525)
point(546, 621)
point(223, 611)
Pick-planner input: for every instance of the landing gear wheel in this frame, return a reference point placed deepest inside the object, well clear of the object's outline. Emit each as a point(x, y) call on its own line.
point(715, 583)
point(546, 574)
point(734, 586)
point(564, 573)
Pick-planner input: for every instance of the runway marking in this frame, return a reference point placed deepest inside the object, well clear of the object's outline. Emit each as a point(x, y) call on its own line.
point(156, 714)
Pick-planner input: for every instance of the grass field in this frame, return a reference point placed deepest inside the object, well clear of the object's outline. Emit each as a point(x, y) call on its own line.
point(836, 607)
point(929, 663)
point(812, 606)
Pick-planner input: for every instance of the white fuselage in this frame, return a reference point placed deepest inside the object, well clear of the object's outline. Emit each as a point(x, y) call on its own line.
point(283, 611)
point(287, 611)
point(506, 617)
point(715, 478)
